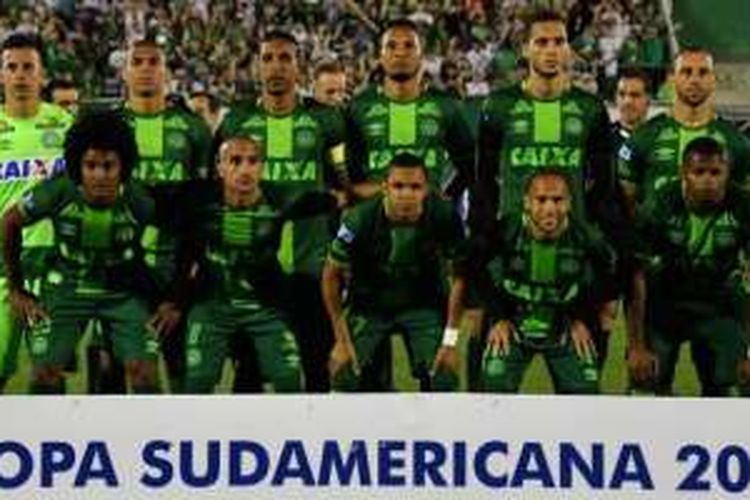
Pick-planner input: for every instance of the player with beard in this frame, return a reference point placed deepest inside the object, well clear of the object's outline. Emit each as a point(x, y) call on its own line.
point(692, 235)
point(541, 279)
point(652, 155)
point(544, 121)
point(305, 151)
point(31, 149)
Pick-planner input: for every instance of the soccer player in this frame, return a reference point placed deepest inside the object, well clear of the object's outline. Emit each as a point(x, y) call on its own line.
point(31, 149)
point(391, 248)
point(693, 236)
point(174, 147)
point(541, 280)
point(96, 269)
point(402, 115)
point(652, 155)
point(240, 292)
point(545, 121)
point(64, 94)
point(329, 88)
point(632, 102)
point(304, 150)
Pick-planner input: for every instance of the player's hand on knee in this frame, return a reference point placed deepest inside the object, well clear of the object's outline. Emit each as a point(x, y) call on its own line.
point(342, 355)
point(500, 338)
point(26, 307)
point(446, 360)
point(582, 341)
point(165, 319)
point(642, 364)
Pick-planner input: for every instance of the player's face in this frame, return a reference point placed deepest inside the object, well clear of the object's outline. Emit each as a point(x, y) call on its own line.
point(101, 171)
point(547, 49)
point(705, 180)
point(547, 204)
point(22, 74)
point(401, 54)
point(694, 78)
point(632, 100)
point(278, 67)
point(67, 99)
point(330, 88)
point(240, 166)
point(145, 71)
point(405, 191)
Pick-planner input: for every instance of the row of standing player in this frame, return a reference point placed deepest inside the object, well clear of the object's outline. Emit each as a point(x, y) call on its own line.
point(540, 123)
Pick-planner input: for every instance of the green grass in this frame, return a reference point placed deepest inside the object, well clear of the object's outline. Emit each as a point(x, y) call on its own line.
point(537, 380)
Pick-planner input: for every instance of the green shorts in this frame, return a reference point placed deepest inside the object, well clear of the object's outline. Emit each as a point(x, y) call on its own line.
point(70, 310)
point(422, 330)
point(210, 326)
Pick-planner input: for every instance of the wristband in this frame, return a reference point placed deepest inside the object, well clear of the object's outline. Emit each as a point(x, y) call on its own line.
point(450, 337)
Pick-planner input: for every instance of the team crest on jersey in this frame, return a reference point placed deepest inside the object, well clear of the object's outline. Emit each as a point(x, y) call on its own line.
point(48, 123)
point(305, 139)
point(429, 108)
point(668, 134)
point(429, 127)
point(573, 126)
point(255, 122)
point(51, 139)
point(176, 140)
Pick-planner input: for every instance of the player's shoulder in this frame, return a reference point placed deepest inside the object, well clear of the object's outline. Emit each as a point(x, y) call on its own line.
point(577, 96)
point(728, 128)
point(738, 200)
point(185, 115)
point(439, 208)
point(51, 116)
point(505, 96)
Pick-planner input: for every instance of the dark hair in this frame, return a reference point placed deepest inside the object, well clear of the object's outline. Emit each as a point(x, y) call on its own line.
point(544, 172)
point(57, 84)
point(23, 41)
point(213, 101)
point(407, 160)
point(402, 22)
point(107, 130)
point(635, 74)
point(147, 42)
point(277, 34)
point(328, 66)
point(705, 147)
point(542, 15)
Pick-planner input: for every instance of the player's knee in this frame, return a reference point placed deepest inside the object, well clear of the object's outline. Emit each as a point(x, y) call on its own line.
point(345, 380)
point(496, 377)
point(142, 375)
point(48, 379)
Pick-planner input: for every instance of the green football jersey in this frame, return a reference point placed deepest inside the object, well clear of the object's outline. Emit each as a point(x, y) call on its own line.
point(304, 151)
point(432, 127)
point(519, 135)
point(542, 285)
point(398, 266)
point(174, 147)
point(693, 257)
point(31, 149)
point(96, 249)
point(651, 158)
point(237, 247)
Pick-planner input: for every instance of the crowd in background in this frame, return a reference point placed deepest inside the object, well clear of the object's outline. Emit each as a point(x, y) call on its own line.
point(211, 44)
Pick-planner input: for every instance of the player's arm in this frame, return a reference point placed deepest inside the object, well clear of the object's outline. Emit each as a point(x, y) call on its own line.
point(202, 150)
point(37, 204)
point(311, 204)
point(641, 362)
point(460, 146)
point(334, 276)
point(357, 157)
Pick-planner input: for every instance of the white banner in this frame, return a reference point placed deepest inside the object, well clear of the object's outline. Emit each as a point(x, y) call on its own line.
point(383, 446)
